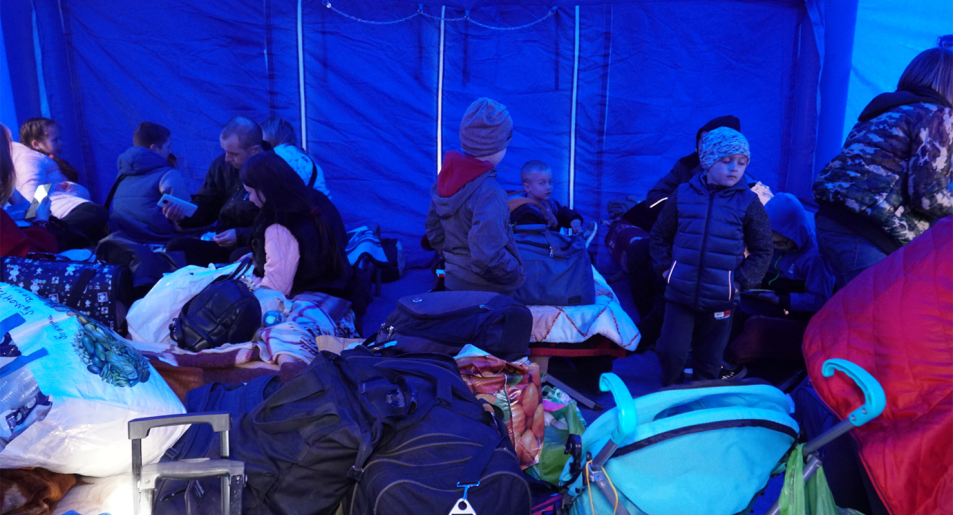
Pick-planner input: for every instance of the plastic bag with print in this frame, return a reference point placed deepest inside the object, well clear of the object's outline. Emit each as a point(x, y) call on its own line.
point(69, 388)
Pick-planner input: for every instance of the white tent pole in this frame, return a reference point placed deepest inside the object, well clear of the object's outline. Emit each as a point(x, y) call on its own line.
point(301, 99)
point(572, 130)
point(443, 12)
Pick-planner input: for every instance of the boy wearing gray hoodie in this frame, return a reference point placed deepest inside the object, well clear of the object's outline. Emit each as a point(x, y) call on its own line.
point(468, 218)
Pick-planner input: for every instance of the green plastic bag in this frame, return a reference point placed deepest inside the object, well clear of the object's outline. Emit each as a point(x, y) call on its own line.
point(807, 498)
point(563, 418)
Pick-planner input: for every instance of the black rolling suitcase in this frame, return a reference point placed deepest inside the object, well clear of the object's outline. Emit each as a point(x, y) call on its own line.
point(229, 474)
point(202, 494)
point(101, 291)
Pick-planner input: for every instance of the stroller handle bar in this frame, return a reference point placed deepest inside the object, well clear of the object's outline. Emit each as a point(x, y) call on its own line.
point(874, 402)
point(874, 398)
point(625, 406)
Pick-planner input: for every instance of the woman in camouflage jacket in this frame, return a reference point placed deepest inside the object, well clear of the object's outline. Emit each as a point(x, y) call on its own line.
point(891, 181)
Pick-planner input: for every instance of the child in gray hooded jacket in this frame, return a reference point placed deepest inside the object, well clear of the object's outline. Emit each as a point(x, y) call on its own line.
point(468, 218)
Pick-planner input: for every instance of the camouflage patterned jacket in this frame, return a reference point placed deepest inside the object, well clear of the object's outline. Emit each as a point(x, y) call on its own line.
point(895, 168)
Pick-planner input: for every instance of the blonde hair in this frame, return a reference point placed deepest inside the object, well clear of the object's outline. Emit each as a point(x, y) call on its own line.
point(533, 167)
point(932, 68)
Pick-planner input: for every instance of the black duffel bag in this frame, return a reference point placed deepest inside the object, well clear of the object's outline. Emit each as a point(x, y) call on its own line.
point(99, 290)
point(225, 311)
point(309, 442)
point(445, 321)
point(453, 451)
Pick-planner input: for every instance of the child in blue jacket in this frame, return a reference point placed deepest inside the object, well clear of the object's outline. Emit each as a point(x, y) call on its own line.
point(800, 279)
point(698, 245)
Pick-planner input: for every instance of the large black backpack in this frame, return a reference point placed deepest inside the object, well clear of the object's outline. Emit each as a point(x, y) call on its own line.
point(225, 311)
point(308, 443)
point(445, 321)
point(454, 450)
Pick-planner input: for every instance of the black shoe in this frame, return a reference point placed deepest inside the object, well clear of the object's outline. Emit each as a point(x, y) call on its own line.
point(732, 373)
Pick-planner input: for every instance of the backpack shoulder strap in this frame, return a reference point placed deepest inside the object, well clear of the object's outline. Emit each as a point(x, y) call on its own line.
point(314, 174)
point(112, 191)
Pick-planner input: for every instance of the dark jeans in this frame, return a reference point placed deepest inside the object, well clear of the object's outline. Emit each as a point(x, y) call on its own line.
point(685, 328)
point(847, 252)
point(646, 284)
point(203, 253)
point(648, 291)
point(86, 225)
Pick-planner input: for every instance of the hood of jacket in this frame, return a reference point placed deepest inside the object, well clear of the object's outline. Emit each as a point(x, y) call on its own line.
point(789, 219)
point(460, 176)
point(887, 101)
point(140, 161)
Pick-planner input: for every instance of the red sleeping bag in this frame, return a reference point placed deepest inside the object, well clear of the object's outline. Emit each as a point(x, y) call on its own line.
point(896, 321)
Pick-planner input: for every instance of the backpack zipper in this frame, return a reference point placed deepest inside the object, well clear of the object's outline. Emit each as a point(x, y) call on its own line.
point(455, 313)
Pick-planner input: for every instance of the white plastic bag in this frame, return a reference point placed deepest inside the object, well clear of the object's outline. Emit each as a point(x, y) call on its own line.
point(70, 387)
point(149, 317)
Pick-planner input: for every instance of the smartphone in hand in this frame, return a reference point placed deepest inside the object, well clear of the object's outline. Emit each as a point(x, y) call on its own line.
point(188, 208)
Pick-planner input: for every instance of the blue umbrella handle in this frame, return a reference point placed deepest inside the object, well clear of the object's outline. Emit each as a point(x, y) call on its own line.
point(625, 406)
point(874, 398)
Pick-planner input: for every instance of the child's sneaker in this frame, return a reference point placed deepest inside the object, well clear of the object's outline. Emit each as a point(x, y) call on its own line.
point(727, 372)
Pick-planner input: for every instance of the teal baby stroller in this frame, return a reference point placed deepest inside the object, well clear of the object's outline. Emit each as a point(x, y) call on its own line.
point(704, 448)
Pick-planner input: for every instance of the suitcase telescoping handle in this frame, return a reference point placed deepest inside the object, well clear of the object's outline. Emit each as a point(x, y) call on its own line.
point(144, 477)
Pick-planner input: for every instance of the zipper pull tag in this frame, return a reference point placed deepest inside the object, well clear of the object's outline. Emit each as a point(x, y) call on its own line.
point(462, 506)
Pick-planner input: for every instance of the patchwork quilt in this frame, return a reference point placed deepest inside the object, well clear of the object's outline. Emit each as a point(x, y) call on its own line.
point(576, 324)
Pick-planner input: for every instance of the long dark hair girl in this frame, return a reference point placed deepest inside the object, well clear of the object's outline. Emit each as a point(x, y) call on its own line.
point(286, 201)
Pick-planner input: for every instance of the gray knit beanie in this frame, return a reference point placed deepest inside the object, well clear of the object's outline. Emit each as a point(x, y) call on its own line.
point(719, 143)
point(486, 128)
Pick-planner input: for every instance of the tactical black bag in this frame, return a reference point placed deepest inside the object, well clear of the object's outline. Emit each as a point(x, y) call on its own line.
point(455, 450)
point(308, 443)
point(445, 321)
point(225, 311)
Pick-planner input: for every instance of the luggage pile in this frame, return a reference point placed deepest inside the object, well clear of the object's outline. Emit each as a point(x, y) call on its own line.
point(388, 428)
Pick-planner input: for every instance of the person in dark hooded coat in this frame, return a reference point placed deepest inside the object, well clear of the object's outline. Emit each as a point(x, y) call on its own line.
point(771, 321)
point(800, 279)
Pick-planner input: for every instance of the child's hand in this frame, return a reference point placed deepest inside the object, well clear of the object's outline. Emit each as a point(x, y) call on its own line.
point(576, 226)
point(770, 297)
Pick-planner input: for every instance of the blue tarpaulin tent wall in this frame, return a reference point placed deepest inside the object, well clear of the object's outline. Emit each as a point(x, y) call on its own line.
point(608, 93)
point(888, 35)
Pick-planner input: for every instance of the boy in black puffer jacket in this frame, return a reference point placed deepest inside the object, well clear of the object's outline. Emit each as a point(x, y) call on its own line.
point(698, 245)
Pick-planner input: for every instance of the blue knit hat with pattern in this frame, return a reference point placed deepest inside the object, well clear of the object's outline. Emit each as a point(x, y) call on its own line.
point(719, 143)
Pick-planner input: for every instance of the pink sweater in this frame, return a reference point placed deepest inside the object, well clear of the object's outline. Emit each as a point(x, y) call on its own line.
point(281, 259)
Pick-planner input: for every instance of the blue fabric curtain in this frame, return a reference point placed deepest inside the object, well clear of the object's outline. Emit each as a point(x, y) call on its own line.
point(650, 73)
